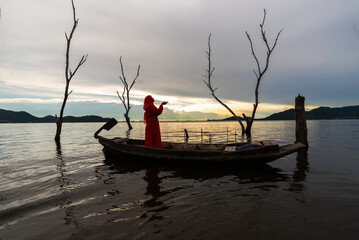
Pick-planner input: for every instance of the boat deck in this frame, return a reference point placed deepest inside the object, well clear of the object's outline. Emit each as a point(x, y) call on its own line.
point(267, 144)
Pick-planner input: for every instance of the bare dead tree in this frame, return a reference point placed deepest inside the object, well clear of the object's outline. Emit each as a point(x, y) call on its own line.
point(212, 90)
point(69, 74)
point(125, 96)
point(259, 72)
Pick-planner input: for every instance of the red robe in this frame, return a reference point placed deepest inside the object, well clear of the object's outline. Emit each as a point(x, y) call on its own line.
point(153, 134)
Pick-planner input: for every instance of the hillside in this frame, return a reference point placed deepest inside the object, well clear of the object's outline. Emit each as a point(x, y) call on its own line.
point(7, 116)
point(350, 112)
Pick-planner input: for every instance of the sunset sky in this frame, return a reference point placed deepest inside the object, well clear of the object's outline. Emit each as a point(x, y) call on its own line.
point(317, 55)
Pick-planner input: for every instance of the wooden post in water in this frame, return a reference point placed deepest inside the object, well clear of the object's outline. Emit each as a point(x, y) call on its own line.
point(186, 136)
point(301, 131)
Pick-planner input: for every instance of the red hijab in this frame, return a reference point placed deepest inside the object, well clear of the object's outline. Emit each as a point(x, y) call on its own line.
point(148, 102)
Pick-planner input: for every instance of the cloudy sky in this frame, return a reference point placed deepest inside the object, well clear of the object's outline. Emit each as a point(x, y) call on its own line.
point(317, 54)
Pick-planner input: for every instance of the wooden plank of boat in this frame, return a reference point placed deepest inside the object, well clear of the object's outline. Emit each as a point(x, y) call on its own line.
point(197, 153)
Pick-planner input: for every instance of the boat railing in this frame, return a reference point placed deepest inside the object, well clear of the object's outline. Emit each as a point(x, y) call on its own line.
point(202, 136)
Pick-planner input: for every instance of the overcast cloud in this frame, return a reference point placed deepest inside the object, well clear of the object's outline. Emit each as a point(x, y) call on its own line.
point(317, 54)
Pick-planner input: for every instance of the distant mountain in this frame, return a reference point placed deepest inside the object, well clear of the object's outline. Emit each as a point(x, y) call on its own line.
point(10, 116)
point(89, 118)
point(285, 115)
point(7, 116)
point(230, 119)
point(350, 112)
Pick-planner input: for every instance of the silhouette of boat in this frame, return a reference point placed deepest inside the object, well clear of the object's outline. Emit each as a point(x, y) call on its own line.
point(198, 152)
point(256, 152)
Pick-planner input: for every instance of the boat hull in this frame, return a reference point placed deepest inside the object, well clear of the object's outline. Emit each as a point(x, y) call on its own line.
point(248, 156)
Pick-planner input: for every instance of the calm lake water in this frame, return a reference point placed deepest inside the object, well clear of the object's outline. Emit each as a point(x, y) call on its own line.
point(73, 191)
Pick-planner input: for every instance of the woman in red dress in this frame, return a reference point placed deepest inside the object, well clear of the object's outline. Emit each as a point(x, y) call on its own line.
point(153, 134)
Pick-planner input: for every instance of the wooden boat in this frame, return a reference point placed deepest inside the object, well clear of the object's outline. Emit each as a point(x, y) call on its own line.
point(198, 153)
point(171, 152)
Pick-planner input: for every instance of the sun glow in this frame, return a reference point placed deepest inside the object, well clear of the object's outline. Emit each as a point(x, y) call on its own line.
point(108, 94)
point(177, 104)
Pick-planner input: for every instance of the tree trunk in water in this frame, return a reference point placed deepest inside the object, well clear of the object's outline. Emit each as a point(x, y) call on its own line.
point(241, 124)
point(60, 120)
point(58, 129)
point(128, 121)
point(301, 131)
point(249, 130)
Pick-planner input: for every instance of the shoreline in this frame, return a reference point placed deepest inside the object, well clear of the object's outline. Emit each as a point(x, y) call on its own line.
point(184, 121)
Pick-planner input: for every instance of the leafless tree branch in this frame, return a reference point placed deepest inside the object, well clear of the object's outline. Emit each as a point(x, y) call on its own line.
point(253, 53)
point(125, 97)
point(68, 73)
point(208, 83)
point(261, 72)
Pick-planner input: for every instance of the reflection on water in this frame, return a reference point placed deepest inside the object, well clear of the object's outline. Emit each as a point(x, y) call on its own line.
point(155, 204)
point(64, 182)
point(77, 192)
point(302, 166)
point(300, 172)
point(249, 182)
point(61, 168)
point(257, 173)
point(153, 182)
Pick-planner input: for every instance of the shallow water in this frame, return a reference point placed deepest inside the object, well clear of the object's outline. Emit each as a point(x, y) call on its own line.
point(74, 191)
